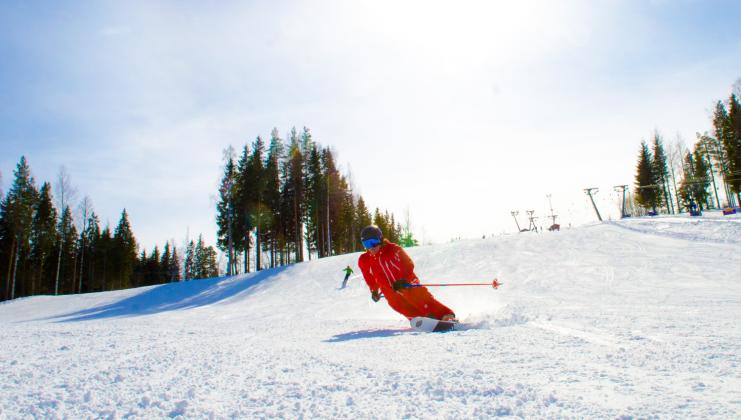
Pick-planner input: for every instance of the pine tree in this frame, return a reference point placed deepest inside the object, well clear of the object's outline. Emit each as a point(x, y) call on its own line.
point(661, 172)
point(242, 221)
point(724, 134)
point(734, 144)
point(43, 239)
point(274, 227)
point(153, 267)
point(204, 260)
point(189, 266)
point(293, 197)
point(727, 125)
point(66, 251)
point(307, 142)
point(333, 200)
point(696, 181)
point(380, 220)
point(174, 267)
point(701, 178)
point(16, 218)
point(256, 196)
point(225, 210)
point(139, 275)
point(312, 193)
point(208, 265)
point(685, 188)
point(86, 209)
point(198, 259)
point(363, 215)
point(707, 146)
point(645, 185)
point(348, 228)
point(92, 242)
point(105, 257)
point(164, 273)
point(313, 199)
point(125, 251)
point(395, 228)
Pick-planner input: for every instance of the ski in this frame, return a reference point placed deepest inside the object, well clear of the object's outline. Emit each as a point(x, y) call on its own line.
point(424, 324)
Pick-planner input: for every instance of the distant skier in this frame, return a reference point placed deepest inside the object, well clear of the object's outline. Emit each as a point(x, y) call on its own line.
point(386, 266)
point(348, 271)
point(694, 210)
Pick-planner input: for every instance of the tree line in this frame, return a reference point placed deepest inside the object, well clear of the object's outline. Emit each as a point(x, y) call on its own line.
point(676, 179)
point(278, 204)
point(286, 201)
point(47, 251)
point(199, 261)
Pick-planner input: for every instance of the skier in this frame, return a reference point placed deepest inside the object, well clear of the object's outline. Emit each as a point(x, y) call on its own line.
point(386, 266)
point(348, 271)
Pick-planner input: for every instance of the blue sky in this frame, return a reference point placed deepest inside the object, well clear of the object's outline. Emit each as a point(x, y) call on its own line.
point(458, 111)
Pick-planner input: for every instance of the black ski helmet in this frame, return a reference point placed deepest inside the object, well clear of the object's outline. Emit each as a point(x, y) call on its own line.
point(371, 232)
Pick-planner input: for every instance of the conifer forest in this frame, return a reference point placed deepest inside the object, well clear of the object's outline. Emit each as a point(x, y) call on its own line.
point(279, 203)
point(672, 179)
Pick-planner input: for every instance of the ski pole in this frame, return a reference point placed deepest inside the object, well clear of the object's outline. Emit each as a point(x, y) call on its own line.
point(495, 284)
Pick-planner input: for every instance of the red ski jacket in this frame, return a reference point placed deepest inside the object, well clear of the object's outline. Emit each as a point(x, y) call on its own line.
point(390, 263)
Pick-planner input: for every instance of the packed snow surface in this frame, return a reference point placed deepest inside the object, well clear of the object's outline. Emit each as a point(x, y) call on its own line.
point(635, 318)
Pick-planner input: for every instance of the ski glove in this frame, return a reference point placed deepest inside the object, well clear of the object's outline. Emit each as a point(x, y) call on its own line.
point(400, 285)
point(376, 296)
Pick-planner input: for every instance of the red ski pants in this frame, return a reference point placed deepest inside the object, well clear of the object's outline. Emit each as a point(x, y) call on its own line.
point(416, 301)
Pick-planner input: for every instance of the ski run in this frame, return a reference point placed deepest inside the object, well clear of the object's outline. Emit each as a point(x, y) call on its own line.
point(631, 319)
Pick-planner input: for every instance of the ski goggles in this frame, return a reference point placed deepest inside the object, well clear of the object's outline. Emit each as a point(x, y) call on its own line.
point(371, 242)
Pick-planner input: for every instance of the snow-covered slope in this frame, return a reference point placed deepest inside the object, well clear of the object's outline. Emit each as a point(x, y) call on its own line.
point(632, 318)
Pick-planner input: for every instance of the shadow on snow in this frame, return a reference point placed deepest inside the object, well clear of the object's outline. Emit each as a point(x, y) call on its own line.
point(172, 297)
point(355, 335)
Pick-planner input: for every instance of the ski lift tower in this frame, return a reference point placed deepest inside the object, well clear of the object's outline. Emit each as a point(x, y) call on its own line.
point(591, 197)
point(532, 218)
point(514, 214)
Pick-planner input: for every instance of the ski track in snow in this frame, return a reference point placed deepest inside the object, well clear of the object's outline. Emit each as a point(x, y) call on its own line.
point(637, 318)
